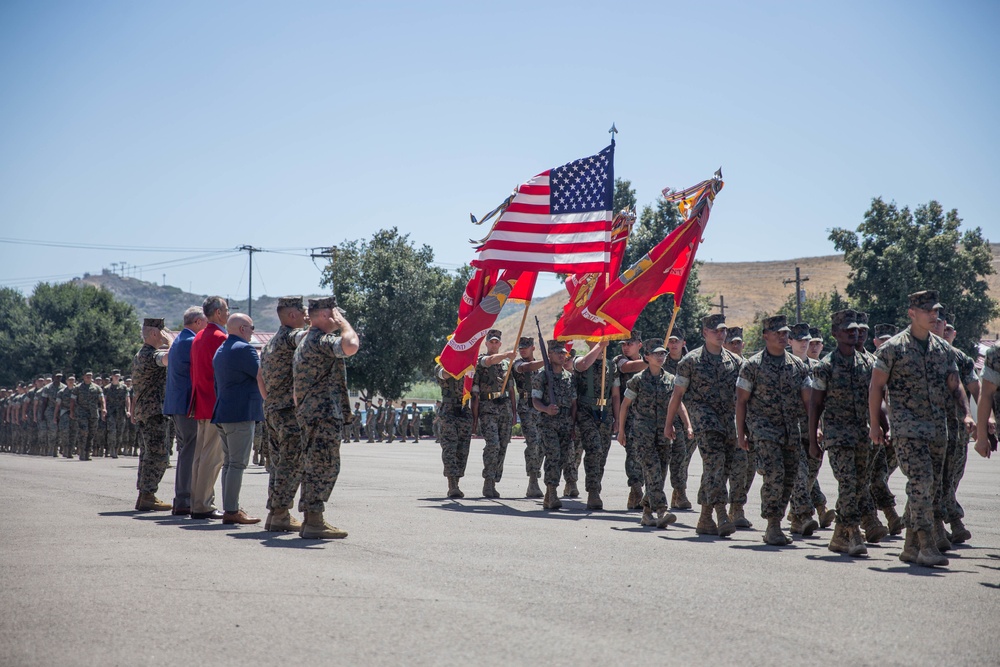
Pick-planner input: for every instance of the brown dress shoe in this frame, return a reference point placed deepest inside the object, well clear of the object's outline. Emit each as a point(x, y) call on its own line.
point(240, 517)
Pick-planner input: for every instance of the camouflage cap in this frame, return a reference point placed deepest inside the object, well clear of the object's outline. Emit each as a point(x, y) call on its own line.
point(950, 319)
point(734, 334)
point(155, 322)
point(885, 330)
point(633, 337)
point(323, 303)
point(556, 346)
point(814, 334)
point(800, 331)
point(775, 323)
point(88, 373)
point(128, 379)
point(925, 300)
point(115, 371)
point(71, 377)
point(290, 302)
point(525, 341)
point(653, 345)
point(676, 333)
point(494, 333)
point(844, 319)
point(862, 320)
point(716, 321)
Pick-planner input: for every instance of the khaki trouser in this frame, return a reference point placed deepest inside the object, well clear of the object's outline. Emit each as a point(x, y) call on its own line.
point(205, 467)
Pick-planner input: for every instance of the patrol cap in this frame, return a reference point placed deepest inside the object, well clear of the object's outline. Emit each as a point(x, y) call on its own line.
point(885, 330)
point(925, 300)
point(949, 318)
point(800, 331)
point(775, 323)
point(526, 341)
point(676, 333)
point(40, 377)
point(556, 346)
point(814, 334)
point(734, 334)
point(716, 321)
point(290, 302)
point(128, 379)
point(71, 377)
point(494, 333)
point(98, 377)
point(323, 303)
point(633, 337)
point(844, 319)
point(155, 322)
point(653, 345)
point(86, 373)
point(116, 372)
point(862, 320)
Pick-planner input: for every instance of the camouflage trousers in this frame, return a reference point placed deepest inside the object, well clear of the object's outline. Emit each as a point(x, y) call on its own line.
point(356, 429)
point(154, 457)
point(923, 463)
point(48, 436)
point(779, 461)
point(633, 467)
point(66, 435)
point(954, 470)
point(806, 493)
point(851, 466)
point(680, 456)
point(718, 452)
point(286, 450)
point(654, 457)
point(529, 417)
point(574, 457)
point(557, 433)
point(495, 428)
point(741, 473)
point(321, 462)
point(456, 436)
point(593, 437)
point(370, 431)
point(86, 431)
point(116, 432)
point(884, 463)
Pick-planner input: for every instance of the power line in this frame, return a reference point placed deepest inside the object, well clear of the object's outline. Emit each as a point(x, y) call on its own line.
point(96, 246)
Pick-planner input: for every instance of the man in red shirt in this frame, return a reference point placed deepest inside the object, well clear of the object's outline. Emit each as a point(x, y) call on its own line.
point(208, 446)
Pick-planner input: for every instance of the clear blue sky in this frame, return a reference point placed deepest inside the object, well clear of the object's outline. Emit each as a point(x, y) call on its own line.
point(196, 125)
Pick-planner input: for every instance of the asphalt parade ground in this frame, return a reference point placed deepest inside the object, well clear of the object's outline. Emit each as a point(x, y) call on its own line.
point(423, 580)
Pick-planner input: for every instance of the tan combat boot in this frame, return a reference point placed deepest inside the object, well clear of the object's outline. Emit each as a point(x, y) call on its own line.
point(803, 524)
point(315, 528)
point(959, 533)
point(774, 536)
point(664, 517)
point(874, 530)
point(147, 502)
point(634, 497)
point(856, 544)
point(280, 520)
point(839, 543)
point(679, 500)
point(726, 526)
point(594, 501)
point(453, 490)
point(929, 555)
point(534, 491)
point(490, 489)
point(826, 517)
point(909, 552)
point(570, 490)
point(647, 517)
point(737, 516)
point(552, 501)
point(940, 536)
point(706, 524)
point(894, 521)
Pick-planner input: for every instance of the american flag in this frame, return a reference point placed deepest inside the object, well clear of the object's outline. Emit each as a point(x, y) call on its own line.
point(559, 221)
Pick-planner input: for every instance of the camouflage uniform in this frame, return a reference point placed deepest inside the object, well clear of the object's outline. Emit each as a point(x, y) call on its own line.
point(774, 411)
point(149, 378)
point(917, 385)
point(633, 468)
point(456, 425)
point(356, 425)
point(845, 430)
point(991, 374)
point(650, 395)
point(494, 415)
point(529, 418)
point(117, 401)
point(51, 393)
point(710, 398)
point(87, 413)
point(682, 447)
point(319, 376)
point(806, 493)
point(958, 440)
point(66, 431)
point(556, 430)
point(593, 422)
point(283, 429)
point(371, 419)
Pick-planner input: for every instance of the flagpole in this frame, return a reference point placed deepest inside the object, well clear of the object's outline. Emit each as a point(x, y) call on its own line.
point(520, 330)
point(670, 328)
point(604, 353)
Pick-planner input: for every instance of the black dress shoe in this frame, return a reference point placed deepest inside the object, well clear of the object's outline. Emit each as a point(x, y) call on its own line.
point(214, 514)
point(180, 511)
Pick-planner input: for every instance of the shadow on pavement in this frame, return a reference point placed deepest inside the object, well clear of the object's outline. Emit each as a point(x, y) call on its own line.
point(279, 540)
point(837, 558)
point(767, 547)
point(571, 510)
point(916, 570)
point(703, 539)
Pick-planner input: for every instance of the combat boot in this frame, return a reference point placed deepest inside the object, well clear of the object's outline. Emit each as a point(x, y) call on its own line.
point(909, 552)
point(706, 524)
point(453, 490)
point(737, 516)
point(825, 516)
point(803, 524)
point(635, 497)
point(874, 530)
point(959, 533)
point(552, 501)
point(856, 545)
point(679, 500)
point(774, 535)
point(664, 517)
point(594, 501)
point(570, 490)
point(147, 502)
point(894, 521)
point(929, 555)
point(282, 521)
point(647, 517)
point(490, 489)
point(839, 543)
point(315, 528)
point(534, 491)
point(726, 527)
point(940, 536)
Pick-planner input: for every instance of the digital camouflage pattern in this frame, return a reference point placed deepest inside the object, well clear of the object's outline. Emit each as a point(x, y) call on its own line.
point(456, 426)
point(321, 462)
point(528, 417)
point(285, 447)
point(633, 468)
point(851, 467)
point(276, 368)
point(958, 446)
point(149, 381)
point(845, 413)
point(155, 454)
point(650, 394)
point(495, 418)
point(682, 447)
point(556, 430)
point(117, 397)
point(775, 383)
point(593, 423)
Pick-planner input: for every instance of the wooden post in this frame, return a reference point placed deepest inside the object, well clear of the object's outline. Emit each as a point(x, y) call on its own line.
point(520, 330)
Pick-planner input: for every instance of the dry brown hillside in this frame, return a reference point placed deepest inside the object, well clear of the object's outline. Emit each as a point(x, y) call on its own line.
point(748, 287)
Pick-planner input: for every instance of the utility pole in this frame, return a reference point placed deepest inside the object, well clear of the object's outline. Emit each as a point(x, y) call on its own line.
point(721, 305)
point(798, 292)
point(114, 268)
point(250, 251)
point(324, 253)
point(164, 280)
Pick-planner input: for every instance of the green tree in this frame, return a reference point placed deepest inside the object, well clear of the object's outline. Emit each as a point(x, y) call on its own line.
point(17, 338)
point(895, 252)
point(624, 196)
point(399, 302)
point(815, 310)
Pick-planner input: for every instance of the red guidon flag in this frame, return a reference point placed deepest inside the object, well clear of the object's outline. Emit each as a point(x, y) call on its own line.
point(461, 351)
point(611, 313)
point(559, 221)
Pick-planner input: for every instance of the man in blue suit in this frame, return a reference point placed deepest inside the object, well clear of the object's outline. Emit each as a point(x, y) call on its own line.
point(176, 402)
point(239, 405)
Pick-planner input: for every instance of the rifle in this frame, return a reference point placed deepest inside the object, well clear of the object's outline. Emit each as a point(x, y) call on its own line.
point(549, 375)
